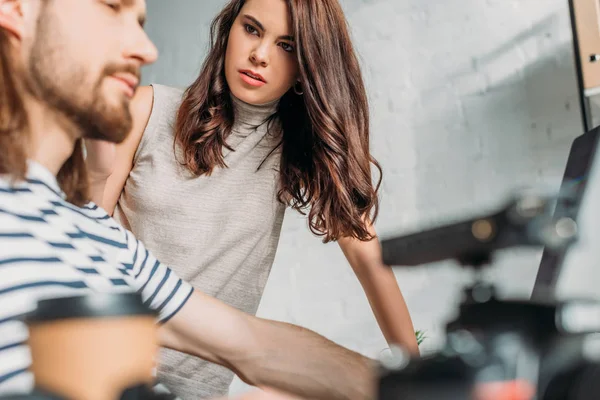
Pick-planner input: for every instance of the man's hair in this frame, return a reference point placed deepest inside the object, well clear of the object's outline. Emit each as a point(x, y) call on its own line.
point(72, 177)
point(13, 119)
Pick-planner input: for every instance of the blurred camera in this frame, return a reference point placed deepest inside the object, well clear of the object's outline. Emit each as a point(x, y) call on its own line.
point(500, 349)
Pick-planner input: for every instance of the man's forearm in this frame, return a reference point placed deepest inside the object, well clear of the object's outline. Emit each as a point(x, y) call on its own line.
point(299, 361)
point(267, 353)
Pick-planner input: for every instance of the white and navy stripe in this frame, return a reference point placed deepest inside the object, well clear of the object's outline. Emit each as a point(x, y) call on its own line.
point(50, 248)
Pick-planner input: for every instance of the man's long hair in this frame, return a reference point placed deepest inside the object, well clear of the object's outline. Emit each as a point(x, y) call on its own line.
point(72, 177)
point(326, 163)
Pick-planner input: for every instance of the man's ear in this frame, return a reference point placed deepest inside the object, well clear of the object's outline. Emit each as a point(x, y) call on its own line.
point(11, 17)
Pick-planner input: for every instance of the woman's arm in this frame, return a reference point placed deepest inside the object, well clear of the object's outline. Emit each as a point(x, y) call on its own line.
point(108, 164)
point(381, 288)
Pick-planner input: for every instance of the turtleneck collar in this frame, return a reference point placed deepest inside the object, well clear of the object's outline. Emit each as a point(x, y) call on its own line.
point(252, 114)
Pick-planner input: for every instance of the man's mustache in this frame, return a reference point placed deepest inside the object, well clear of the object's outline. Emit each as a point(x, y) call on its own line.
point(132, 69)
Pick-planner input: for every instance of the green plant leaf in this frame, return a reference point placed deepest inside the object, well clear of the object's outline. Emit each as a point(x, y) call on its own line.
point(420, 336)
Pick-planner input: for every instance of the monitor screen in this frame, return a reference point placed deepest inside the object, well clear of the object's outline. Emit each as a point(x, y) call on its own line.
point(580, 164)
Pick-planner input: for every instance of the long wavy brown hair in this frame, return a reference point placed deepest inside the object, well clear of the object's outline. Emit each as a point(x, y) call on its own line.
point(72, 177)
point(325, 159)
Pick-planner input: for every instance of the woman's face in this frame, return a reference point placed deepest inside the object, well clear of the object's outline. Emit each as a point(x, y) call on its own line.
point(260, 61)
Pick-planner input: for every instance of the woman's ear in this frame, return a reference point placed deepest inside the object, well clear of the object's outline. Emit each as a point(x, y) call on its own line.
point(11, 17)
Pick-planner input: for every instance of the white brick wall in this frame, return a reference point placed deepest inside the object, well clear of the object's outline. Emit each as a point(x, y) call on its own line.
point(469, 99)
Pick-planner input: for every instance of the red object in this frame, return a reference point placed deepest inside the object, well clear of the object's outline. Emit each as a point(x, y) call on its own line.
point(505, 390)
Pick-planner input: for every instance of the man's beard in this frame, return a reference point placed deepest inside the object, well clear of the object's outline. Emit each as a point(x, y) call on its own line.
point(63, 83)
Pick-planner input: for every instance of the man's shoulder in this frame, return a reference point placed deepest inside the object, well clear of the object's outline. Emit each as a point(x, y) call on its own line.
point(95, 211)
point(24, 201)
point(10, 184)
point(13, 195)
point(94, 214)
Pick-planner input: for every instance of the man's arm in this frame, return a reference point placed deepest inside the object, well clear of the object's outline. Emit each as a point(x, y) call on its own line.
point(269, 353)
point(263, 395)
point(263, 353)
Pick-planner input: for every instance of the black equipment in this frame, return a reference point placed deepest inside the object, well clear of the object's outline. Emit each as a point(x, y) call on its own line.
point(500, 349)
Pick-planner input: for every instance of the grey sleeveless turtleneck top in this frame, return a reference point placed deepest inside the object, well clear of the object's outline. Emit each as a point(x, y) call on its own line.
point(218, 232)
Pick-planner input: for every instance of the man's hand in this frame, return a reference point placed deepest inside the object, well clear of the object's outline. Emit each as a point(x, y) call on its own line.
point(100, 159)
point(265, 394)
point(268, 353)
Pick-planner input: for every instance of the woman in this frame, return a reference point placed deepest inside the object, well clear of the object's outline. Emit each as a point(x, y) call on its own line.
point(278, 116)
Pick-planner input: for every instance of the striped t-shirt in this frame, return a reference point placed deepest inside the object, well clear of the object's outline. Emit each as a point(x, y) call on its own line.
point(50, 248)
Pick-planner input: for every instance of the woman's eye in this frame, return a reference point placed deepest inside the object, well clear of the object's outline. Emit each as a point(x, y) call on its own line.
point(287, 47)
point(250, 29)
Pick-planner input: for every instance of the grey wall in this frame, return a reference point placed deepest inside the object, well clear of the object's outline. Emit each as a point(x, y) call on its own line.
point(469, 99)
